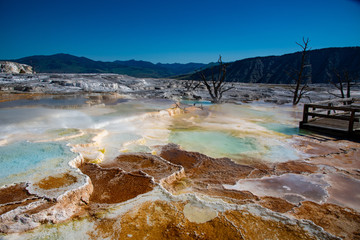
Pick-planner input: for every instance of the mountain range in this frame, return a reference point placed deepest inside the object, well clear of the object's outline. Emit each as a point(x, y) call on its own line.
point(66, 63)
point(323, 63)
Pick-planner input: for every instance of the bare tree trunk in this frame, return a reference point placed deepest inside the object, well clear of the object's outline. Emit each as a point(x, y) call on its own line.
point(342, 80)
point(217, 85)
point(301, 87)
point(348, 86)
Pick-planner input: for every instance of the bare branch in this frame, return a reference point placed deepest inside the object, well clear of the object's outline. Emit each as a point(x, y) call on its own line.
point(299, 75)
point(338, 96)
point(343, 80)
point(227, 89)
point(215, 86)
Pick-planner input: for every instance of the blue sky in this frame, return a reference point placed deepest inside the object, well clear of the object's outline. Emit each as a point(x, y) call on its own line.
point(174, 31)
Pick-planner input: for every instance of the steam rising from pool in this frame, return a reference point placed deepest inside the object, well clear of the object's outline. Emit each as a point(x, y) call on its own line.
point(226, 131)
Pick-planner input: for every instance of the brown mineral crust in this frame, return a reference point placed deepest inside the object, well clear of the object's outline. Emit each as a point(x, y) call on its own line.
point(179, 185)
point(342, 222)
point(261, 170)
point(297, 167)
point(7, 97)
point(8, 207)
point(255, 227)
point(204, 169)
point(347, 160)
point(113, 185)
point(259, 173)
point(239, 197)
point(34, 211)
point(150, 164)
point(343, 190)
point(163, 220)
point(15, 196)
point(276, 204)
point(318, 148)
point(188, 160)
point(14, 193)
point(40, 208)
point(166, 220)
point(52, 182)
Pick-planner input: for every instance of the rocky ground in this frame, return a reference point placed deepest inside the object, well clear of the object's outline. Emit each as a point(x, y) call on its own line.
point(154, 88)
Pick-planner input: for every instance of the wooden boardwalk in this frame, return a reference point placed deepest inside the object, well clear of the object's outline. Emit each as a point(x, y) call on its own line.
point(339, 117)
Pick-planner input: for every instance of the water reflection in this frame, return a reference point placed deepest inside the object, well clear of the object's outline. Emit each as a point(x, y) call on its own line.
point(292, 187)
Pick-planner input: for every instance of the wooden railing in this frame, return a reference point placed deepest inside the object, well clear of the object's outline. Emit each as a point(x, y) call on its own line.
point(341, 109)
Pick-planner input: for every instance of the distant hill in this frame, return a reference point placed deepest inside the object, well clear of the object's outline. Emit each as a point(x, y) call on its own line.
point(65, 63)
point(270, 69)
point(273, 69)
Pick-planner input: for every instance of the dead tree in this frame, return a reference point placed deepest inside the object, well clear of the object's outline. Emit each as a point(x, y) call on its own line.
point(300, 76)
point(217, 85)
point(343, 80)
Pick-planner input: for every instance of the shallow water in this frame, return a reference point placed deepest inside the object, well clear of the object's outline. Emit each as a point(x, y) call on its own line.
point(196, 103)
point(136, 126)
point(52, 102)
point(238, 132)
point(24, 161)
point(215, 144)
point(292, 187)
point(283, 128)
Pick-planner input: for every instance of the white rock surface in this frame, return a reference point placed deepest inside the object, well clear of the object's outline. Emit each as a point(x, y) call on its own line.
point(156, 88)
point(13, 67)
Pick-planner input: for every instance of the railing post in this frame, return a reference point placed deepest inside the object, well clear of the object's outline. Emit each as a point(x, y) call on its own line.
point(313, 109)
point(351, 122)
point(329, 111)
point(305, 114)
